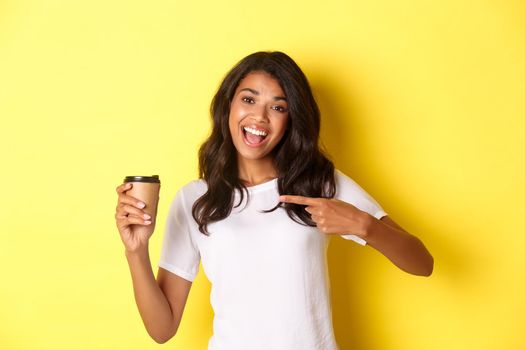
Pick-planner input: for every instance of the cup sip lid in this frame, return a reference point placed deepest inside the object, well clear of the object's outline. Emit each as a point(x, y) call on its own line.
point(151, 179)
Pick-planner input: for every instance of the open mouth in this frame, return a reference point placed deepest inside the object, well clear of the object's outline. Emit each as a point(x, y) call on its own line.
point(254, 137)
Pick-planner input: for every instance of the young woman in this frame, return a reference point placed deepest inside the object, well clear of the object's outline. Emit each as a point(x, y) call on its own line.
point(259, 218)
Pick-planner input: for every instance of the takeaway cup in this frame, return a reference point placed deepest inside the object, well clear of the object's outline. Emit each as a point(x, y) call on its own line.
point(145, 189)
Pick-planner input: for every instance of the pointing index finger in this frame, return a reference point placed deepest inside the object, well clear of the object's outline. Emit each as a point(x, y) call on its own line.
point(297, 200)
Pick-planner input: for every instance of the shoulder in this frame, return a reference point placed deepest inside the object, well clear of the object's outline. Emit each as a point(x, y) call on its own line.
point(191, 191)
point(343, 180)
point(347, 188)
point(350, 191)
point(197, 185)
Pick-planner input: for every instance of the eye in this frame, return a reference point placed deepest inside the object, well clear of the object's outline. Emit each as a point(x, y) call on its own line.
point(247, 99)
point(280, 109)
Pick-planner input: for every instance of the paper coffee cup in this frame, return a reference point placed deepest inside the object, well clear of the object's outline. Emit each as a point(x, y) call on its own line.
point(145, 189)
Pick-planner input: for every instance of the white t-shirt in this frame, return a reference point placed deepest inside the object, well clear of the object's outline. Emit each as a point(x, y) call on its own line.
point(270, 287)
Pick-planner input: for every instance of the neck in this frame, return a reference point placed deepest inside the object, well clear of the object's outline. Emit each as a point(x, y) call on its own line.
point(254, 172)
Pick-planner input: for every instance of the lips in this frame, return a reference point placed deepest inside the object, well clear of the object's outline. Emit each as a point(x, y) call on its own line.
point(254, 140)
point(255, 127)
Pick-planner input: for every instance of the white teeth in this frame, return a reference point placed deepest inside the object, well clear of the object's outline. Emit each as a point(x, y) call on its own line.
point(255, 132)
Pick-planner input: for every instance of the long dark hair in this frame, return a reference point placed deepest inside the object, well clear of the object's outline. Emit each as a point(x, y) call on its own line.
point(302, 167)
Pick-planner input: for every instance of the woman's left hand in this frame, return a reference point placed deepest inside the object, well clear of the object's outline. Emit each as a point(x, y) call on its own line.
point(333, 216)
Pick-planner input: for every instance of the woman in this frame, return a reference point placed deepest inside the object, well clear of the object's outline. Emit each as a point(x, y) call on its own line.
point(260, 218)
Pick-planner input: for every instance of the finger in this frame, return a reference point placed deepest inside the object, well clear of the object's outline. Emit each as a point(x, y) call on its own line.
point(313, 210)
point(127, 210)
point(124, 187)
point(316, 219)
point(120, 216)
point(131, 220)
point(298, 200)
point(125, 199)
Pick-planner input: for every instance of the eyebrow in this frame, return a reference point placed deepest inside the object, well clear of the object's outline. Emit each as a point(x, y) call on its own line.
point(255, 92)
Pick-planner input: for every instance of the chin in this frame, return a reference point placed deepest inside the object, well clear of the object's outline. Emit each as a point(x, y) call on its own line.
point(254, 157)
point(254, 154)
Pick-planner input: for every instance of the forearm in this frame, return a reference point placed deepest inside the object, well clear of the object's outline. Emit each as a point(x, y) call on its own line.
point(153, 306)
point(404, 250)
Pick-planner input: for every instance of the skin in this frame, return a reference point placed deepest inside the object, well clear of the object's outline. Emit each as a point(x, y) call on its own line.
point(258, 100)
point(336, 217)
point(160, 301)
point(332, 216)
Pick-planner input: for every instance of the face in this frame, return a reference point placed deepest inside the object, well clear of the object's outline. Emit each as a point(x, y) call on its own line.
point(258, 116)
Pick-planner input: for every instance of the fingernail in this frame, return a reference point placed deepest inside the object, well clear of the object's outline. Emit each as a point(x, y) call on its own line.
point(141, 205)
point(146, 216)
point(147, 222)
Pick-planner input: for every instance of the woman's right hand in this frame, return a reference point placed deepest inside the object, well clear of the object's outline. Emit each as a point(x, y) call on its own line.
point(131, 219)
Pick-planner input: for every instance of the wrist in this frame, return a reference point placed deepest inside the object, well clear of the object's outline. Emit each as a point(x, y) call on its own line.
point(138, 252)
point(367, 223)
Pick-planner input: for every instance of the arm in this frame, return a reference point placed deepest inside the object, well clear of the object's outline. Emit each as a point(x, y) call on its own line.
point(403, 249)
point(334, 216)
point(160, 302)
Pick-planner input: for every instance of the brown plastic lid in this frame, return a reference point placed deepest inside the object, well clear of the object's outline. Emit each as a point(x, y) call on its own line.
point(152, 179)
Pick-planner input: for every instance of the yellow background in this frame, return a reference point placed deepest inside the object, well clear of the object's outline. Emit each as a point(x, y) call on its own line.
point(423, 104)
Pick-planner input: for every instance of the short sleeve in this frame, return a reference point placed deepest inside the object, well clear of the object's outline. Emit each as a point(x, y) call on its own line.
point(349, 191)
point(179, 253)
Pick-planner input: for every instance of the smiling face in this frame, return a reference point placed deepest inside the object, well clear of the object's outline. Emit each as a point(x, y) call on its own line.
point(258, 117)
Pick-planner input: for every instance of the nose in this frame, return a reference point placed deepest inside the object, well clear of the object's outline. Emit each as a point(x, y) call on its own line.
point(260, 114)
